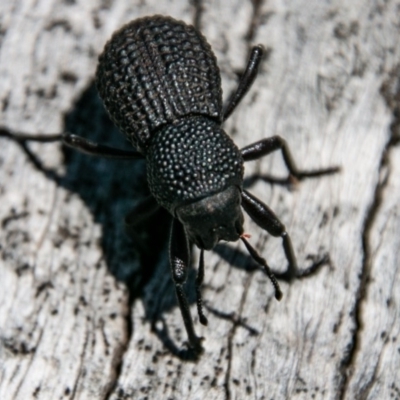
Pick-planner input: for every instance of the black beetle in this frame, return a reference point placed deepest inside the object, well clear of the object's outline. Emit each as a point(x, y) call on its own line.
point(161, 85)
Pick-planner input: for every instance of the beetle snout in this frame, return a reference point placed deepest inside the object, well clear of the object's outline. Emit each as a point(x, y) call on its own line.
point(225, 232)
point(213, 218)
point(207, 242)
point(211, 239)
point(230, 232)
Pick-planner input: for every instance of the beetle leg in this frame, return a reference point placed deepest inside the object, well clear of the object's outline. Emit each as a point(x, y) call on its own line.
point(179, 260)
point(266, 146)
point(86, 146)
point(199, 281)
point(22, 137)
point(260, 260)
point(264, 217)
point(246, 80)
point(76, 142)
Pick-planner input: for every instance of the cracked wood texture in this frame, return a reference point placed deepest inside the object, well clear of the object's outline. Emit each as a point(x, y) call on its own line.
point(88, 312)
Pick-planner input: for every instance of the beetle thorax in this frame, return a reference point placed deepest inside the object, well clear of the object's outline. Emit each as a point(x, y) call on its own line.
point(191, 160)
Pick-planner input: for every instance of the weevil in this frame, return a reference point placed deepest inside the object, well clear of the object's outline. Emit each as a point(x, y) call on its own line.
point(160, 83)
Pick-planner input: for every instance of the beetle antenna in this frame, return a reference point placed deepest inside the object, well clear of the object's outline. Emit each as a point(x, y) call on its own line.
point(263, 262)
point(199, 281)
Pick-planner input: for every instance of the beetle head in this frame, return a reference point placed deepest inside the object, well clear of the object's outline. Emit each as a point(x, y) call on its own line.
point(213, 218)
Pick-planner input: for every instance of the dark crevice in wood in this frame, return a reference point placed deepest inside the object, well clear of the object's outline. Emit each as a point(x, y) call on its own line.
point(82, 367)
point(120, 353)
point(390, 90)
point(227, 388)
point(28, 367)
point(237, 321)
point(254, 22)
point(232, 317)
point(198, 13)
point(346, 368)
point(249, 38)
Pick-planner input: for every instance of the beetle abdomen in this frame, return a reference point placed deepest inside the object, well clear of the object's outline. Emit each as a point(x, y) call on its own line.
point(154, 71)
point(190, 160)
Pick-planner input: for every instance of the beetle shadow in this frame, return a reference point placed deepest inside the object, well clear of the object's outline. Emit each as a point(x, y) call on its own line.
point(110, 189)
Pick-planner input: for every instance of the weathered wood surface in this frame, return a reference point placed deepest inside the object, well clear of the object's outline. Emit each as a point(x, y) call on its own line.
point(73, 321)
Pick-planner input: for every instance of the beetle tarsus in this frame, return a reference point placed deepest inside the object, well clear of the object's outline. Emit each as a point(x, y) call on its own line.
point(267, 269)
point(266, 146)
point(26, 137)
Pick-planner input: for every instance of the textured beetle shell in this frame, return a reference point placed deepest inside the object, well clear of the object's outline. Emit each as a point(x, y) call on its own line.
point(154, 71)
point(190, 160)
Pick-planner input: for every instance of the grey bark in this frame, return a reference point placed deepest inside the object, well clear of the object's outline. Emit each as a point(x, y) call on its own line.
point(86, 313)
